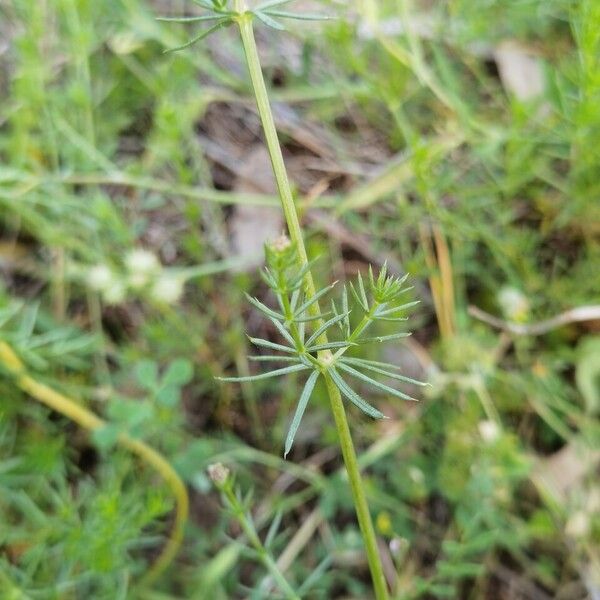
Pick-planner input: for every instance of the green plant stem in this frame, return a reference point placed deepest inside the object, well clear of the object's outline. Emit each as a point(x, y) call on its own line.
point(347, 446)
point(88, 420)
point(254, 540)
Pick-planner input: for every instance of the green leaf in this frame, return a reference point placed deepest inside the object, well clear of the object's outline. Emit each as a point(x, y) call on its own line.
point(326, 326)
point(374, 382)
point(354, 397)
point(268, 20)
point(169, 396)
point(146, 373)
point(179, 372)
point(201, 36)
point(271, 3)
point(302, 403)
point(273, 346)
point(106, 437)
point(384, 338)
point(314, 299)
point(300, 16)
point(283, 331)
point(273, 358)
point(263, 308)
point(268, 278)
point(275, 373)
point(330, 346)
point(313, 318)
point(298, 278)
point(294, 299)
point(391, 311)
point(189, 19)
point(346, 311)
point(376, 368)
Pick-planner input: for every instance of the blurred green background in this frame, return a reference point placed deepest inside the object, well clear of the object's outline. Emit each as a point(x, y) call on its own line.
point(459, 141)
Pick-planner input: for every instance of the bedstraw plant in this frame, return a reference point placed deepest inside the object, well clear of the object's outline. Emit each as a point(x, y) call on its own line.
point(299, 319)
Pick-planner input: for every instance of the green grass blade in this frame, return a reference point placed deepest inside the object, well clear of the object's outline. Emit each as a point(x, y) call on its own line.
point(347, 391)
point(275, 373)
point(302, 403)
point(375, 383)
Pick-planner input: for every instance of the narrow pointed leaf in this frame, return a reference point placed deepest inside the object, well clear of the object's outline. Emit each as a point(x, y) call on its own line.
point(314, 299)
point(300, 16)
point(205, 33)
point(283, 331)
point(268, 20)
point(263, 308)
point(361, 289)
point(204, 4)
point(377, 369)
point(345, 309)
point(273, 528)
point(298, 278)
point(347, 391)
point(302, 403)
point(358, 299)
point(392, 319)
point(271, 3)
point(391, 311)
point(330, 346)
point(384, 338)
point(273, 358)
point(325, 326)
point(273, 346)
point(302, 331)
point(275, 373)
point(189, 19)
point(312, 318)
point(268, 278)
point(374, 382)
point(294, 300)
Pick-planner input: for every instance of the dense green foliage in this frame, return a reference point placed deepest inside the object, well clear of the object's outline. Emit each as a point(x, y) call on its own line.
point(408, 142)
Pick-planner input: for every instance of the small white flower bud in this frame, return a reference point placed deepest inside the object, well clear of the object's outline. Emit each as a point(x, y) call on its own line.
point(115, 292)
point(167, 288)
point(281, 243)
point(514, 304)
point(218, 473)
point(142, 261)
point(578, 525)
point(489, 431)
point(100, 278)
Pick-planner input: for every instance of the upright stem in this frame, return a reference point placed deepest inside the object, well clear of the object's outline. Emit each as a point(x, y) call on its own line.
point(287, 201)
point(263, 553)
